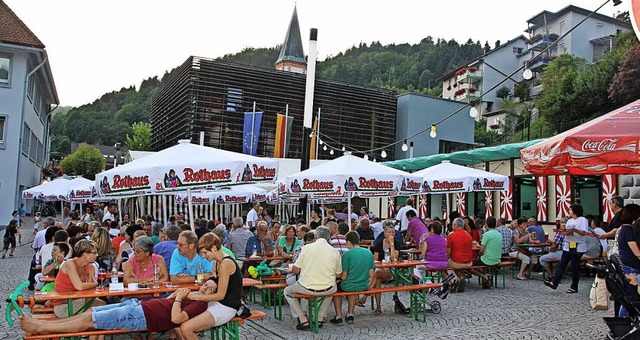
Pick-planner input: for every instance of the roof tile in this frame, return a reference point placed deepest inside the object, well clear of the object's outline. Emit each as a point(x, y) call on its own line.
point(14, 31)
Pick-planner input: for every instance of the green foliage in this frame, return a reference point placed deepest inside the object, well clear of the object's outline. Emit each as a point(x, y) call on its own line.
point(624, 87)
point(503, 92)
point(87, 161)
point(521, 90)
point(262, 57)
point(141, 140)
point(558, 100)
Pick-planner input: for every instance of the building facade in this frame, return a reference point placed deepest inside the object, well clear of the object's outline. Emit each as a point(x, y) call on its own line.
point(27, 97)
point(212, 96)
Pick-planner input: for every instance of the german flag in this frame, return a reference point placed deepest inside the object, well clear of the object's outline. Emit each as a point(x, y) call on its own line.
point(283, 135)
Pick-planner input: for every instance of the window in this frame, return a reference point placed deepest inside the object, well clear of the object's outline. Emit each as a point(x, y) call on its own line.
point(561, 31)
point(3, 123)
point(40, 159)
point(517, 50)
point(26, 134)
point(5, 70)
point(33, 146)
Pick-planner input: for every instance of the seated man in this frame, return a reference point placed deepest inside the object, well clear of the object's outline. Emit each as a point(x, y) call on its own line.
point(507, 236)
point(416, 230)
point(490, 251)
point(357, 275)
point(555, 253)
point(337, 240)
point(459, 245)
point(365, 232)
point(259, 242)
point(520, 236)
point(318, 265)
point(185, 260)
point(154, 315)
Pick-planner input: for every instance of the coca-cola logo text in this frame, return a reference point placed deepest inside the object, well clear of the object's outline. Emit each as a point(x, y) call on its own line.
point(608, 144)
point(492, 184)
point(446, 185)
point(316, 185)
point(263, 173)
point(206, 176)
point(128, 182)
point(374, 184)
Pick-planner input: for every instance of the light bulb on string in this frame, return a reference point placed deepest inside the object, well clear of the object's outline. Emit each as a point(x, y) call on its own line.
point(405, 147)
point(366, 157)
point(473, 112)
point(383, 154)
point(331, 152)
point(433, 133)
point(324, 148)
point(527, 74)
point(375, 161)
point(320, 141)
point(344, 148)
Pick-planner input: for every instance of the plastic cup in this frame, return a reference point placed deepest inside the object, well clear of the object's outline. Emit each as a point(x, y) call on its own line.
point(133, 286)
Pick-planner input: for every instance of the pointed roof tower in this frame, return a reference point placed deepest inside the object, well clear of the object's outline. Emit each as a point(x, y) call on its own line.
point(292, 55)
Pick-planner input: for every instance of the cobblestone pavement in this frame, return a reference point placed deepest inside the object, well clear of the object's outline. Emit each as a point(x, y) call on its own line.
point(525, 310)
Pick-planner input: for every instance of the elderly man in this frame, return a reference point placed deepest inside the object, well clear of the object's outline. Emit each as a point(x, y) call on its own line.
point(252, 215)
point(507, 236)
point(318, 265)
point(185, 260)
point(459, 245)
point(365, 232)
point(259, 243)
point(534, 227)
point(238, 238)
point(555, 253)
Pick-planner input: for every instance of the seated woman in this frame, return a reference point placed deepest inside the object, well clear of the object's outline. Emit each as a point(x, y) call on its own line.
point(77, 273)
point(434, 250)
point(274, 231)
point(106, 250)
point(155, 315)
point(288, 242)
point(387, 241)
point(139, 268)
point(227, 284)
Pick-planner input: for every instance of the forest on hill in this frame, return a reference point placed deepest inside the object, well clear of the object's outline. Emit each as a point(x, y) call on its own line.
point(401, 67)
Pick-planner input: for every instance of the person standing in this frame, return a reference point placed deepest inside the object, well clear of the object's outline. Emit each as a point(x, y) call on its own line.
point(402, 216)
point(252, 215)
point(573, 248)
point(21, 213)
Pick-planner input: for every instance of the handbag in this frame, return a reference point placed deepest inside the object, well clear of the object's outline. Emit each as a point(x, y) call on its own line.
point(599, 296)
point(244, 311)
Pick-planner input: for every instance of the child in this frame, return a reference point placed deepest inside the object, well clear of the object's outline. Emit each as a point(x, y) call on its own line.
point(36, 223)
point(58, 254)
point(10, 236)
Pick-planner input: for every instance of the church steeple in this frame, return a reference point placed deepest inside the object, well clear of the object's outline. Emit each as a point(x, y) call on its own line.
point(292, 55)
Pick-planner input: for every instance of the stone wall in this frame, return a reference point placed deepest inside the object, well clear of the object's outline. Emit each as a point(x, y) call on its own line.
point(630, 188)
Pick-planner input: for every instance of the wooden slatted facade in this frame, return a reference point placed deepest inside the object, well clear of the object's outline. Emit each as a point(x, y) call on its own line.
point(212, 96)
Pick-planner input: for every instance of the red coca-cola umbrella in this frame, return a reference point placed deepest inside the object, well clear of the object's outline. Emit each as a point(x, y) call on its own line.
point(605, 145)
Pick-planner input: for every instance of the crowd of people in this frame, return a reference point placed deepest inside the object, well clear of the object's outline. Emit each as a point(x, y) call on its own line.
point(333, 251)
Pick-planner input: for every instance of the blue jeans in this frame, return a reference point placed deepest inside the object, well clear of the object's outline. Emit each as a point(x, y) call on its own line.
point(567, 257)
point(124, 315)
point(627, 270)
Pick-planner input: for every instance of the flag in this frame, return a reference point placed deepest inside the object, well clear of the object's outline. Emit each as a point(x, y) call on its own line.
point(251, 132)
point(283, 135)
point(312, 154)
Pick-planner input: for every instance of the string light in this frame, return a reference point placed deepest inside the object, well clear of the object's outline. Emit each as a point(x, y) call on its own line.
point(433, 133)
point(375, 161)
point(366, 158)
point(344, 148)
point(320, 142)
point(405, 147)
point(383, 154)
point(473, 112)
point(324, 148)
point(331, 152)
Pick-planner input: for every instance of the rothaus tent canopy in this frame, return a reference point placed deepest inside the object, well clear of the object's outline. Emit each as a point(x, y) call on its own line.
point(605, 145)
point(236, 194)
point(349, 175)
point(447, 178)
point(55, 190)
point(185, 166)
point(469, 157)
point(80, 190)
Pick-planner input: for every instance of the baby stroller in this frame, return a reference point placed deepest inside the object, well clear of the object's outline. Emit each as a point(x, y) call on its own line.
point(442, 293)
point(626, 295)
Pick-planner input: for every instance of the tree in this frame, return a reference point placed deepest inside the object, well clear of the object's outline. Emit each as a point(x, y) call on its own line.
point(624, 87)
point(558, 99)
point(87, 161)
point(503, 92)
point(141, 140)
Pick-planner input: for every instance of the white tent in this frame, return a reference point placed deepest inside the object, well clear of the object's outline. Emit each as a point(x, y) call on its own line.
point(447, 177)
point(55, 190)
point(80, 190)
point(185, 166)
point(348, 176)
point(231, 195)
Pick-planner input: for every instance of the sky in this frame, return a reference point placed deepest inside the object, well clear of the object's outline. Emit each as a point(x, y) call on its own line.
point(99, 46)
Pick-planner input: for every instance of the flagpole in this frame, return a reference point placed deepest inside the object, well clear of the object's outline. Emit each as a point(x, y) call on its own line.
point(286, 125)
point(253, 124)
point(318, 135)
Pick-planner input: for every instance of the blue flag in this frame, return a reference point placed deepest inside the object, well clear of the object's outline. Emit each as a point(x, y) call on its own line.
point(251, 132)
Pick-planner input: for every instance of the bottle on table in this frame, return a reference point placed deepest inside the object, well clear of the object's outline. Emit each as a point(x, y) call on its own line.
point(255, 250)
point(199, 275)
point(156, 276)
point(114, 274)
point(387, 254)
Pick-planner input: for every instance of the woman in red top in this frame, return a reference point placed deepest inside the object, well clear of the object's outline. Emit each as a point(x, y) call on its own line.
point(77, 273)
point(472, 229)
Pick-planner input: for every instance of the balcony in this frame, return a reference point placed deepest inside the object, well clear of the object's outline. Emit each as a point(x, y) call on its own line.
point(540, 63)
point(466, 93)
point(539, 41)
point(469, 75)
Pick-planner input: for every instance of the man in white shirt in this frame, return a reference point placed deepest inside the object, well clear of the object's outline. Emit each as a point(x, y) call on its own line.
point(252, 215)
point(402, 216)
point(110, 214)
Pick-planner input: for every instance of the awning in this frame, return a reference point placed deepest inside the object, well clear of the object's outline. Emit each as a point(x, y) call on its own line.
point(469, 157)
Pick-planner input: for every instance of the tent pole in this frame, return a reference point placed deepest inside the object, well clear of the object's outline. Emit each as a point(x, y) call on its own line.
point(349, 211)
point(164, 210)
point(190, 207)
point(120, 210)
point(448, 208)
point(62, 211)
